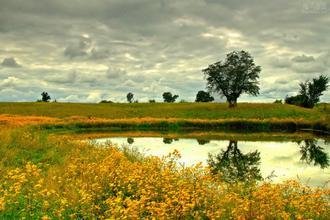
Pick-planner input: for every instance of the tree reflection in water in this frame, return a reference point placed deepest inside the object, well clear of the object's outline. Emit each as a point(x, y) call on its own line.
point(312, 153)
point(235, 166)
point(203, 141)
point(130, 140)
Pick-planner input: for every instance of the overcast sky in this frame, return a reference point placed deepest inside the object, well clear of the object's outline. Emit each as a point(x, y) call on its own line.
point(86, 51)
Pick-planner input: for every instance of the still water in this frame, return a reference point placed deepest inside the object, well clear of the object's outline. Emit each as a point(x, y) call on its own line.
point(306, 160)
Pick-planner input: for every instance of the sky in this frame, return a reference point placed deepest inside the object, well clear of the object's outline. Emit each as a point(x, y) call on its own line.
point(88, 51)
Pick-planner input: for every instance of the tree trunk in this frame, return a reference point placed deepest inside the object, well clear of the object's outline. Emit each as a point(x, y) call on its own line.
point(232, 103)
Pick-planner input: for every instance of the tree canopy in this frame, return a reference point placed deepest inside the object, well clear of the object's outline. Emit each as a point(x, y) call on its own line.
point(45, 97)
point(129, 97)
point(310, 92)
point(235, 166)
point(168, 97)
point(203, 96)
point(235, 75)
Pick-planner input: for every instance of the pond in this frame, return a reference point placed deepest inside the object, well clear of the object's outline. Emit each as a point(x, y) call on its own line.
point(305, 160)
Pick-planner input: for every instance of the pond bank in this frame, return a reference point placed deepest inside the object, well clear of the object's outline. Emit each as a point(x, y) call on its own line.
point(175, 125)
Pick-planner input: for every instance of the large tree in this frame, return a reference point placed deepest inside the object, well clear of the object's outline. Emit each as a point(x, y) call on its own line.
point(235, 75)
point(235, 166)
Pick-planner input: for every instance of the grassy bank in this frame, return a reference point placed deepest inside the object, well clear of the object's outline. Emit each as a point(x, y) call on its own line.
point(50, 177)
point(174, 116)
point(184, 125)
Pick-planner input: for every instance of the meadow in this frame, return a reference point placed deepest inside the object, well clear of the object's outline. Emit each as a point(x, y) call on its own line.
point(51, 177)
point(46, 175)
point(164, 110)
point(174, 116)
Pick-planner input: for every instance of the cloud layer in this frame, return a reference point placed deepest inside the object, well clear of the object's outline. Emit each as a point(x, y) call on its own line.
point(86, 51)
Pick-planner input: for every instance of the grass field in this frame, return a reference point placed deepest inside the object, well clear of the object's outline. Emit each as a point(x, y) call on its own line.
point(46, 176)
point(163, 110)
point(174, 116)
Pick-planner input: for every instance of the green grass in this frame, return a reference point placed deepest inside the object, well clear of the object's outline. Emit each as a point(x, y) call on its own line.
point(163, 110)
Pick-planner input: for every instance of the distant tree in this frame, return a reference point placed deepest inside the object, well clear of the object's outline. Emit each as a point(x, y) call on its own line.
point(309, 93)
point(45, 97)
point(293, 100)
point(203, 96)
point(106, 101)
point(278, 101)
point(129, 97)
point(152, 100)
point(235, 75)
point(168, 97)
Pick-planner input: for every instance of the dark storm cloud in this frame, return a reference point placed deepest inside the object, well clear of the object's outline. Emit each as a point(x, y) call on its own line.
point(89, 50)
point(10, 62)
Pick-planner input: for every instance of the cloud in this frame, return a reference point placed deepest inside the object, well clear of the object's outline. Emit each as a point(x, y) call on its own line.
point(67, 78)
point(280, 63)
point(115, 73)
point(97, 54)
point(80, 48)
point(155, 45)
point(9, 82)
point(314, 67)
point(303, 59)
point(10, 62)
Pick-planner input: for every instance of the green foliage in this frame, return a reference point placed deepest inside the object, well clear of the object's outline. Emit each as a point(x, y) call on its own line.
point(203, 96)
point(106, 101)
point(45, 97)
point(129, 97)
point(168, 97)
point(235, 75)
point(313, 153)
point(234, 166)
point(309, 93)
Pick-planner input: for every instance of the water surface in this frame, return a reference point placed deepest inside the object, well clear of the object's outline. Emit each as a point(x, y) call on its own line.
point(305, 160)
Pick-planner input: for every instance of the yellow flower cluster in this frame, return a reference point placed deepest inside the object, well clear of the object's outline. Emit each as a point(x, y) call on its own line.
point(106, 183)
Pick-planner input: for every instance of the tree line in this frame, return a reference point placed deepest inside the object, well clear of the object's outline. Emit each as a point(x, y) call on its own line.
point(235, 75)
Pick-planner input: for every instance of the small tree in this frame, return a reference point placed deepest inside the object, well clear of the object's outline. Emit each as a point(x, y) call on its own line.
point(203, 96)
point(45, 97)
point(309, 93)
point(129, 97)
point(236, 75)
point(168, 97)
